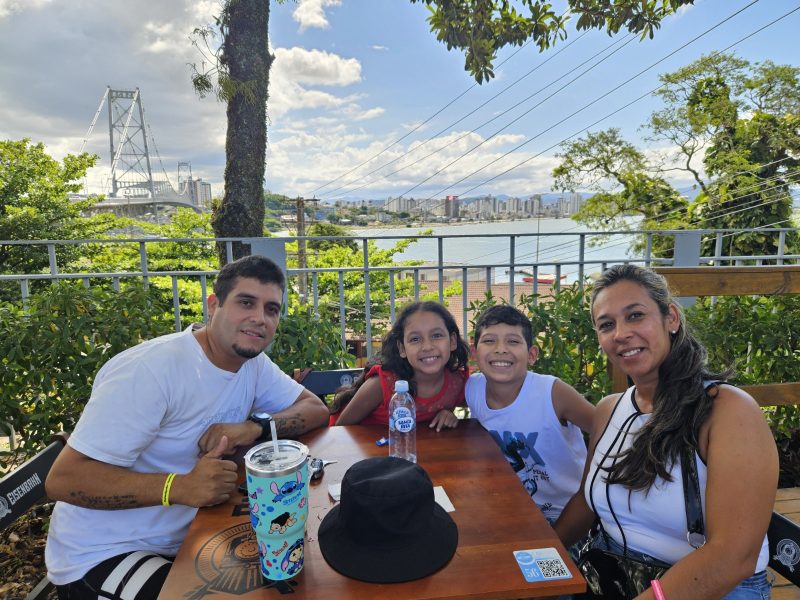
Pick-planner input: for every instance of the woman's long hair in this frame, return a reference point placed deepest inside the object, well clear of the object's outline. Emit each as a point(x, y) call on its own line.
point(681, 403)
point(390, 359)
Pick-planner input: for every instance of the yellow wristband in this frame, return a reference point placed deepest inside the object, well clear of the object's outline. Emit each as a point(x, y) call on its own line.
point(167, 488)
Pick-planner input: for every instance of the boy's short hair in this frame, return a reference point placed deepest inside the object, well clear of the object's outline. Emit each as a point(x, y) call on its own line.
point(507, 315)
point(252, 267)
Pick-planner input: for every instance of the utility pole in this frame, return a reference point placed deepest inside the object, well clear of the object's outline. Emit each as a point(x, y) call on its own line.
point(301, 248)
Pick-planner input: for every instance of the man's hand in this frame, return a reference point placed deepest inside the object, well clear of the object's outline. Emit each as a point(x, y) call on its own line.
point(238, 434)
point(444, 418)
point(212, 481)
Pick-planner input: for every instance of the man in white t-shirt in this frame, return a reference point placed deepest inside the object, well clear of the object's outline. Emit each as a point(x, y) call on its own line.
point(149, 447)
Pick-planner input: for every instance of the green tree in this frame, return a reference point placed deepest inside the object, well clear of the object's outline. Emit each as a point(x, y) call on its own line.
point(736, 127)
point(35, 205)
point(625, 185)
point(328, 230)
point(735, 130)
point(481, 27)
point(241, 68)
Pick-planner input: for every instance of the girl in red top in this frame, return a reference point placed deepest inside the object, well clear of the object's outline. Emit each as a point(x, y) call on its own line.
point(425, 348)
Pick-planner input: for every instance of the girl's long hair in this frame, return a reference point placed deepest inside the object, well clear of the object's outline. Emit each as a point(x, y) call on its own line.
point(390, 359)
point(681, 403)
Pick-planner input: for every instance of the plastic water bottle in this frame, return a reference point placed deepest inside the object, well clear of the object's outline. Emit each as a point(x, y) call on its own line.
point(402, 423)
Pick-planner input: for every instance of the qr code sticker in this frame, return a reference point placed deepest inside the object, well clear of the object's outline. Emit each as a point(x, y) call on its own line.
point(541, 564)
point(553, 568)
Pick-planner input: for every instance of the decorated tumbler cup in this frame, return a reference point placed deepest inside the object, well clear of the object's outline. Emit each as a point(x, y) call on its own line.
point(277, 490)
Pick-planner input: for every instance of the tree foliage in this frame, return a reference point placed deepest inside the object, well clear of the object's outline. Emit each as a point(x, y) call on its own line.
point(35, 204)
point(480, 28)
point(737, 129)
point(625, 185)
point(733, 127)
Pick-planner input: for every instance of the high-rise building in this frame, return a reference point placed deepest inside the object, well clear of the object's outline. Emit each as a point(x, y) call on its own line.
point(452, 207)
point(198, 191)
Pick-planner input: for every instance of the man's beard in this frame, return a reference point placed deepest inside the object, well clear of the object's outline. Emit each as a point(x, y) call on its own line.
point(246, 352)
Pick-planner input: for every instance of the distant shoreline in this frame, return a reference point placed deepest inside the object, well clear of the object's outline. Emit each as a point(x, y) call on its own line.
point(357, 230)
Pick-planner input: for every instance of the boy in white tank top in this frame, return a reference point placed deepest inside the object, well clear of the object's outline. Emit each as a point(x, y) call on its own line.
point(535, 419)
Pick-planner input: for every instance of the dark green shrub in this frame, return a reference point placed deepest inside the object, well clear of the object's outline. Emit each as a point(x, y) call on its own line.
point(52, 350)
point(302, 340)
point(760, 337)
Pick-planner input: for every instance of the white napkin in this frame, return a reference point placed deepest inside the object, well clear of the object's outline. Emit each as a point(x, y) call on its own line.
point(335, 491)
point(442, 500)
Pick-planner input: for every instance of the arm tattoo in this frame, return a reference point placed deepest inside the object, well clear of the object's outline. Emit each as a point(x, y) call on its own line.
point(291, 425)
point(104, 502)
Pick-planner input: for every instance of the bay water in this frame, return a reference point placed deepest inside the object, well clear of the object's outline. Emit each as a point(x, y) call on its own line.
point(542, 242)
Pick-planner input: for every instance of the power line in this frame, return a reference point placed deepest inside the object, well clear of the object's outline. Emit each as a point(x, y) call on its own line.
point(451, 163)
point(589, 105)
point(400, 139)
point(462, 118)
point(596, 100)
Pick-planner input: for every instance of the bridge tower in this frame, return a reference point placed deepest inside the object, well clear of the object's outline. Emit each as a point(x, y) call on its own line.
point(131, 171)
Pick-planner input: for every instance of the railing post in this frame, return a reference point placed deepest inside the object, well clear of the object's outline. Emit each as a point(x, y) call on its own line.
point(391, 295)
point(582, 257)
point(512, 268)
point(781, 246)
point(441, 269)
point(367, 311)
point(718, 250)
point(176, 304)
point(143, 264)
point(341, 310)
point(464, 303)
point(204, 295)
point(51, 255)
point(687, 254)
point(315, 292)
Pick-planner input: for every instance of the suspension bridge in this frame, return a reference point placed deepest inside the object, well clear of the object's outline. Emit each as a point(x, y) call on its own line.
point(132, 188)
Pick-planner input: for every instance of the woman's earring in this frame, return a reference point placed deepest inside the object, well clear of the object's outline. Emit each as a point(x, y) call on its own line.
point(674, 331)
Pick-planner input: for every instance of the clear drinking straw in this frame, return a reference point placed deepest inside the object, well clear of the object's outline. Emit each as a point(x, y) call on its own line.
point(274, 431)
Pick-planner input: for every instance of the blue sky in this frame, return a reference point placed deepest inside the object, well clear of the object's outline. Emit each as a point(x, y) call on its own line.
point(350, 77)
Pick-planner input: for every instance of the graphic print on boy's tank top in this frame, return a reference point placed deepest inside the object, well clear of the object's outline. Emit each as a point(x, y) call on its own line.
point(520, 451)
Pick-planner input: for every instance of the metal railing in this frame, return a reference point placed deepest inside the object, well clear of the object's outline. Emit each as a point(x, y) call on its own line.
point(687, 246)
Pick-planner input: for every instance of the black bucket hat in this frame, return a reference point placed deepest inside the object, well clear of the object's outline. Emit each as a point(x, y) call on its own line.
point(387, 527)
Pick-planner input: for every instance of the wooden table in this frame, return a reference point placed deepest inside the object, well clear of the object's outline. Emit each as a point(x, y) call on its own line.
point(494, 514)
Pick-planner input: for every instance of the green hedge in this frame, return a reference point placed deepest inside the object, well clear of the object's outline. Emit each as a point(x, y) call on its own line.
point(52, 349)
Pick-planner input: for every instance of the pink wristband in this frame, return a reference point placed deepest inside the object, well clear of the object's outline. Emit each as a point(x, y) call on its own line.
point(655, 585)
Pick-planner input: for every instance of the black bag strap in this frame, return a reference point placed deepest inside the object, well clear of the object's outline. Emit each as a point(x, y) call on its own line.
point(695, 527)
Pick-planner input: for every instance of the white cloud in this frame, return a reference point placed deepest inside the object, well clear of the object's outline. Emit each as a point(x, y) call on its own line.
point(297, 70)
point(371, 113)
point(204, 11)
point(316, 67)
point(379, 47)
point(8, 7)
point(311, 13)
point(162, 37)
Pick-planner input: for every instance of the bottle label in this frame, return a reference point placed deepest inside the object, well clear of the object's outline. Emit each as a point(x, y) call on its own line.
point(403, 420)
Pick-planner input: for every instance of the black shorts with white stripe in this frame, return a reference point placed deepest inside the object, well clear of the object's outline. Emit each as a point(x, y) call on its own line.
point(131, 576)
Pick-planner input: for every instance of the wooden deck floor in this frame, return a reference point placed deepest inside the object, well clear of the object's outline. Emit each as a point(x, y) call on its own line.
point(787, 503)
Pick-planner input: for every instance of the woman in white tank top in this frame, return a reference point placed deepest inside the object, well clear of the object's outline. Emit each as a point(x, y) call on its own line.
point(633, 472)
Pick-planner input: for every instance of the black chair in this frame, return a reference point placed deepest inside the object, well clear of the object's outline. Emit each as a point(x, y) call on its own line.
point(24, 487)
point(323, 383)
point(784, 547)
